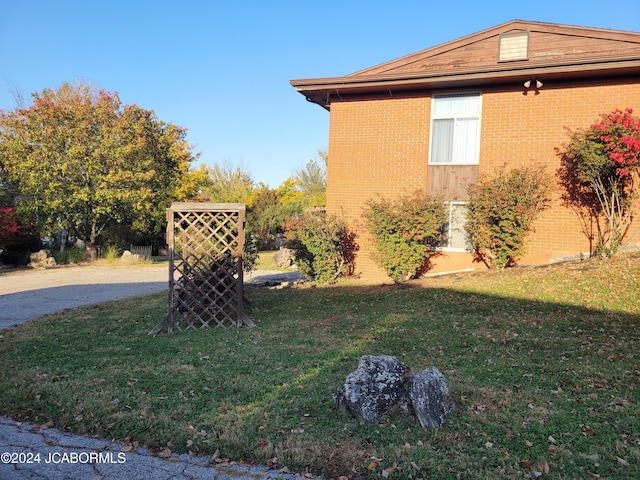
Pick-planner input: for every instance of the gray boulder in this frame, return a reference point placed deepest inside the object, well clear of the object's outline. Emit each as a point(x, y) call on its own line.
point(430, 397)
point(283, 258)
point(381, 383)
point(370, 391)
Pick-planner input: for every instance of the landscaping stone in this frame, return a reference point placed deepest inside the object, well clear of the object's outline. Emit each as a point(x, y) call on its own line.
point(370, 391)
point(41, 260)
point(430, 397)
point(381, 383)
point(283, 258)
point(128, 257)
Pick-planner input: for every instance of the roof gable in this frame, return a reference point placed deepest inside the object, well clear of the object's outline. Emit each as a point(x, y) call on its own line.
point(547, 42)
point(551, 52)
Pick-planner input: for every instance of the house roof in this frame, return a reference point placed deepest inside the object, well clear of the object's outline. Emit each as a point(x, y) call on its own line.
point(552, 52)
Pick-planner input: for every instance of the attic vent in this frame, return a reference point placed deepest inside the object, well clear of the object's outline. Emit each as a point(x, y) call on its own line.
point(514, 46)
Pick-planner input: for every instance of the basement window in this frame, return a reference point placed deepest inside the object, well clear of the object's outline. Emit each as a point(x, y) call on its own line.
point(514, 46)
point(454, 234)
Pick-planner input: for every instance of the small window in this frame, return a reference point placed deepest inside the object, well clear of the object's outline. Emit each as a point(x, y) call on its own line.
point(455, 129)
point(514, 46)
point(454, 233)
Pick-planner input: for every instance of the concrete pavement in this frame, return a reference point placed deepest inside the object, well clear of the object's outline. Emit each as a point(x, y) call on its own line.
point(29, 294)
point(30, 452)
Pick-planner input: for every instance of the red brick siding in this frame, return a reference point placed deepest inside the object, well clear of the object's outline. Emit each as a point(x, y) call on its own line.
point(380, 146)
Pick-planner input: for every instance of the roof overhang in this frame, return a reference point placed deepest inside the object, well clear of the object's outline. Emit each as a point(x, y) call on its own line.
point(324, 90)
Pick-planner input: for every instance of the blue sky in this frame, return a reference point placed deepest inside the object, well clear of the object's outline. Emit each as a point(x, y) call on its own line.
point(222, 68)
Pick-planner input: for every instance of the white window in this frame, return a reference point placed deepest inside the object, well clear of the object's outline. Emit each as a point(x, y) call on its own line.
point(455, 129)
point(454, 234)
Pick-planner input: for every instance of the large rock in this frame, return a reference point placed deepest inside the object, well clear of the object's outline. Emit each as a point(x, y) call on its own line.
point(41, 260)
point(430, 397)
point(370, 391)
point(128, 257)
point(283, 258)
point(381, 383)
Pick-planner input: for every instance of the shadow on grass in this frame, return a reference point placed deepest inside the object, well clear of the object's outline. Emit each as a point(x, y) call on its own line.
point(522, 371)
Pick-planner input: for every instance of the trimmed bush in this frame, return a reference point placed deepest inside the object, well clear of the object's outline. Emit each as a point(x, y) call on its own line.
point(402, 231)
point(501, 212)
point(322, 245)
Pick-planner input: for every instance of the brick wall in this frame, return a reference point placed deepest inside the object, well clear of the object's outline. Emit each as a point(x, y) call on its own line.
point(380, 146)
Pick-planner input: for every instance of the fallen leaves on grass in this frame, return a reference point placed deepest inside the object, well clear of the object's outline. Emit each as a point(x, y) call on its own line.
point(44, 426)
point(388, 471)
point(587, 431)
point(129, 445)
point(373, 465)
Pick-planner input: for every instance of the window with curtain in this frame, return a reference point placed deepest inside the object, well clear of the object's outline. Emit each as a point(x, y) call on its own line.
point(455, 129)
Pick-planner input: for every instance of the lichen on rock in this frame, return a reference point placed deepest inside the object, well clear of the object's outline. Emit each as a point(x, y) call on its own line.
point(380, 383)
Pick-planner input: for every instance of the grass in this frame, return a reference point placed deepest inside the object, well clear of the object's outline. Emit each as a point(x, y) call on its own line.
point(111, 253)
point(69, 256)
point(265, 261)
point(543, 363)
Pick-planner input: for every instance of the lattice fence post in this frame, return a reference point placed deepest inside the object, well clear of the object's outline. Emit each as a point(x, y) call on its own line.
point(206, 286)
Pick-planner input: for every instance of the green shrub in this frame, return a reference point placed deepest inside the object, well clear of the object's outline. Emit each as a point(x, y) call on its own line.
point(250, 252)
point(501, 212)
point(402, 231)
point(69, 256)
point(322, 245)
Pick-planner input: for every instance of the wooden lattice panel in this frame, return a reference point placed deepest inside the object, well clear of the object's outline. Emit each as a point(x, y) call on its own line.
point(205, 266)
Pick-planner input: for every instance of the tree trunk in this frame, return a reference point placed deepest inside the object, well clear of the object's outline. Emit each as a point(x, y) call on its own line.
point(90, 241)
point(92, 252)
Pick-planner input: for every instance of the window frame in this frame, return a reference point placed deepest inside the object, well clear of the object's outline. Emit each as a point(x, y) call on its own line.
point(455, 116)
point(447, 248)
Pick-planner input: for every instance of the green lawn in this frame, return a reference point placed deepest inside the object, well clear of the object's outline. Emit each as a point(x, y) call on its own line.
point(265, 261)
point(543, 363)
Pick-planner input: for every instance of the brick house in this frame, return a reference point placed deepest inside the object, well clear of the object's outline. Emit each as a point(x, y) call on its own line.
point(439, 118)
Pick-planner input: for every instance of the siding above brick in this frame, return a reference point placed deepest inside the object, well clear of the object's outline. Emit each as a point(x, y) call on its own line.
point(556, 53)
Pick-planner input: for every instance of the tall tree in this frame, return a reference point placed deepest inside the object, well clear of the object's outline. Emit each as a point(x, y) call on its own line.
point(81, 158)
point(269, 208)
point(227, 183)
point(8, 192)
point(312, 180)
